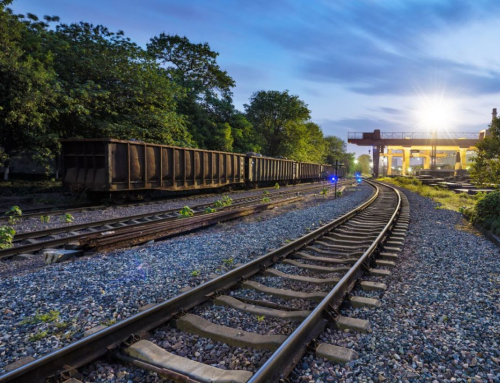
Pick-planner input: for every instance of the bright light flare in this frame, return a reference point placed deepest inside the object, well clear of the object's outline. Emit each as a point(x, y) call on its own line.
point(436, 113)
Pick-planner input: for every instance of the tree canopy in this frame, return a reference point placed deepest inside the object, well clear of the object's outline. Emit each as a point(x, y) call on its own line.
point(83, 80)
point(485, 168)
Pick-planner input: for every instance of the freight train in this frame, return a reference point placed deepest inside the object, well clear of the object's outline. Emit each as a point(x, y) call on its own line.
point(131, 170)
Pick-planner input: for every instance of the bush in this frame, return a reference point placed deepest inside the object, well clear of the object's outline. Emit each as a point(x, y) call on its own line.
point(487, 212)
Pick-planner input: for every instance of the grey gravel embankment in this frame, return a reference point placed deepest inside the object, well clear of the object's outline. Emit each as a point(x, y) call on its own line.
point(108, 287)
point(440, 317)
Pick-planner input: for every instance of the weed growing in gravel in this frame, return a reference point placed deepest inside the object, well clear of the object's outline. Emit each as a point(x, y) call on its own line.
point(51, 316)
point(228, 262)
point(186, 212)
point(338, 193)
point(195, 273)
point(6, 237)
point(265, 192)
point(266, 200)
point(277, 186)
point(109, 322)
point(38, 336)
point(324, 191)
point(68, 218)
point(260, 318)
point(210, 210)
point(224, 201)
point(14, 211)
point(45, 218)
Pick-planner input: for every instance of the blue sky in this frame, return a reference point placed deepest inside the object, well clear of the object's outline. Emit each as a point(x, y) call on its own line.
point(359, 65)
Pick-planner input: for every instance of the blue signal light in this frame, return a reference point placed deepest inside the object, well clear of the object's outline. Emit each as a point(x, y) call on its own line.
point(359, 180)
point(334, 179)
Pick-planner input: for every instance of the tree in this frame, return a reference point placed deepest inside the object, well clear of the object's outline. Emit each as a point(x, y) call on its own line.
point(278, 118)
point(26, 88)
point(207, 99)
point(335, 149)
point(485, 168)
point(364, 161)
point(110, 87)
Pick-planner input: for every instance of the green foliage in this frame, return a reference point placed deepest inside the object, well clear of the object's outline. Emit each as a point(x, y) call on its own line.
point(260, 318)
point(68, 218)
point(487, 212)
point(223, 202)
point(210, 210)
point(265, 192)
point(45, 218)
point(109, 322)
point(228, 262)
point(276, 186)
point(27, 86)
point(14, 211)
point(51, 316)
point(266, 200)
point(364, 162)
point(7, 234)
point(485, 169)
point(276, 116)
point(38, 336)
point(324, 191)
point(186, 212)
point(446, 198)
point(195, 273)
point(338, 193)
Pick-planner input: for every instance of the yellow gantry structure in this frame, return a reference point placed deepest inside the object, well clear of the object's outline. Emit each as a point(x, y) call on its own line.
point(416, 144)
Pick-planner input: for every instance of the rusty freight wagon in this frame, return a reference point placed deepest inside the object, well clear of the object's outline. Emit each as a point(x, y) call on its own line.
point(309, 172)
point(269, 170)
point(131, 169)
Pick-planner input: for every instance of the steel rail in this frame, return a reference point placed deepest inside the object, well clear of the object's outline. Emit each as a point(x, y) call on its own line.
point(289, 353)
point(19, 249)
point(98, 344)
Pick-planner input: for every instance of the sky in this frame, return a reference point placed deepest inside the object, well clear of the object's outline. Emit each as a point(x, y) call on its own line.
point(359, 65)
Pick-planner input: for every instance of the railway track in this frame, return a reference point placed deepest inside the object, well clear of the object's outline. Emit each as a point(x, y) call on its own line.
point(61, 210)
point(338, 255)
point(97, 233)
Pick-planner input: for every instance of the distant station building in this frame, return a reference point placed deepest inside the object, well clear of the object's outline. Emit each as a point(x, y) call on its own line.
point(387, 147)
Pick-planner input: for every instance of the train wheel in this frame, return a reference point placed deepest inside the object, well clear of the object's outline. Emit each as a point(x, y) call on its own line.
point(118, 198)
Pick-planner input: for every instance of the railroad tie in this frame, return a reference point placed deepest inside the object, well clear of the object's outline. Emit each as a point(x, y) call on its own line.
point(283, 293)
point(149, 352)
point(234, 337)
point(225, 300)
point(300, 278)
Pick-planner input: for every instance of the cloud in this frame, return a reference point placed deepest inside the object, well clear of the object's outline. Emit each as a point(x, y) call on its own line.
point(378, 48)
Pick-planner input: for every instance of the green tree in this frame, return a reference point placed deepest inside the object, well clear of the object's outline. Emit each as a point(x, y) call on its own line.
point(110, 87)
point(364, 162)
point(242, 131)
point(207, 100)
point(485, 168)
point(278, 118)
point(335, 149)
point(26, 88)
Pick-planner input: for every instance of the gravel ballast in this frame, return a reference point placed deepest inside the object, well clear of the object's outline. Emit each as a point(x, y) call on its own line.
point(109, 287)
point(440, 316)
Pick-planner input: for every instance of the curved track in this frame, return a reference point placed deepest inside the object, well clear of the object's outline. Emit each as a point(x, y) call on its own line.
point(350, 246)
